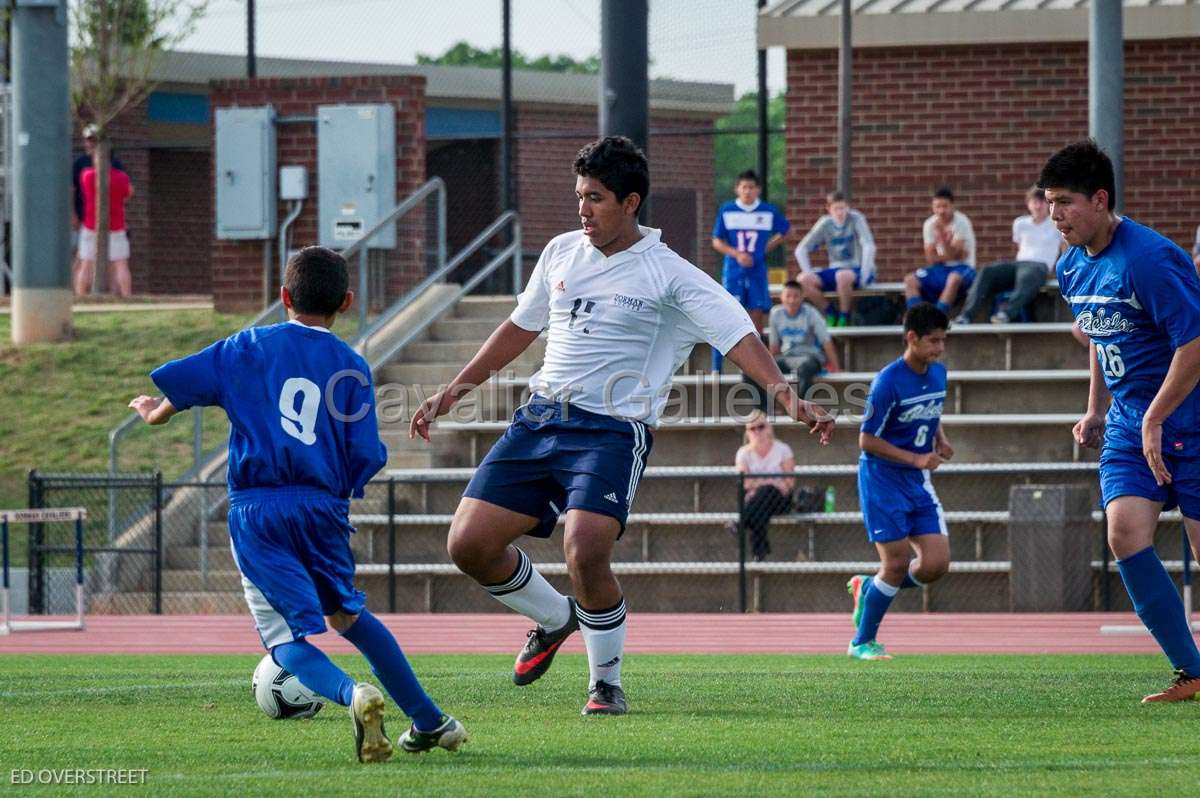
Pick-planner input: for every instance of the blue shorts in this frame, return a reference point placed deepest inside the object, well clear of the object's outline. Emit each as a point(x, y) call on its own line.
point(933, 279)
point(292, 546)
point(550, 461)
point(749, 285)
point(898, 502)
point(1124, 472)
point(828, 277)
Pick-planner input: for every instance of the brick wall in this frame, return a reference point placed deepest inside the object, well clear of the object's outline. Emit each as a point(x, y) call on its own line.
point(983, 119)
point(545, 182)
point(181, 223)
point(237, 265)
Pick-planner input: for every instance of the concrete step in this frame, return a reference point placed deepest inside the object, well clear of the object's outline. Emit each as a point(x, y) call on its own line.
point(957, 491)
point(220, 558)
point(408, 371)
point(468, 329)
point(459, 352)
point(987, 438)
point(193, 581)
point(493, 308)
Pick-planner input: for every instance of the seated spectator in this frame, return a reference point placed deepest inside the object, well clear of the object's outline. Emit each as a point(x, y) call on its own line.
point(799, 339)
point(769, 496)
point(1038, 246)
point(949, 256)
point(847, 239)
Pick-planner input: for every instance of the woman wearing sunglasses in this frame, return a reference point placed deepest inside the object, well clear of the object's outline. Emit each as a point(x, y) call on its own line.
point(768, 496)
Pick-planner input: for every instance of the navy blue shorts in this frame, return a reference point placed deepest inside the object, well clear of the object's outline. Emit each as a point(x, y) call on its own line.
point(828, 277)
point(933, 279)
point(898, 502)
point(1124, 472)
point(292, 546)
point(749, 285)
point(555, 457)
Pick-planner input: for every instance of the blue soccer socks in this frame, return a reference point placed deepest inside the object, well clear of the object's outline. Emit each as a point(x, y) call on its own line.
point(876, 600)
point(1157, 603)
point(314, 670)
point(391, 667)
point(910, 581)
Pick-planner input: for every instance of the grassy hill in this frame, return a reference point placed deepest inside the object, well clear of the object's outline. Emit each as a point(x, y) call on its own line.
point(61, 400)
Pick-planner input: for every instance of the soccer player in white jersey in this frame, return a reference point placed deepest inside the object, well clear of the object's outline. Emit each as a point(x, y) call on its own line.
point(622, 312)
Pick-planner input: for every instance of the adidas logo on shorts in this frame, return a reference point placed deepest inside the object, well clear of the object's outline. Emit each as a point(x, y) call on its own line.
point(612, 497)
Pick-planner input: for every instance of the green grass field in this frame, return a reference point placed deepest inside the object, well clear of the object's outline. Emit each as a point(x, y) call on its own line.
point(699, 725)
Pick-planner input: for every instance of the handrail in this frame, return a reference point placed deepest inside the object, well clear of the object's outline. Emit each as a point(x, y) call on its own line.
point(359, 247)
point(438, 275)
point(511, 252)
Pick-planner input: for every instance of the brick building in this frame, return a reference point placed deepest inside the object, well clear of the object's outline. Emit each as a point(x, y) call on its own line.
point(976, 95)
point(447, 124)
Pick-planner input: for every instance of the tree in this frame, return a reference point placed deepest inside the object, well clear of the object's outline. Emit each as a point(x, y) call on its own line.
point(466, 54)
point(117, 45)
point(737, 152)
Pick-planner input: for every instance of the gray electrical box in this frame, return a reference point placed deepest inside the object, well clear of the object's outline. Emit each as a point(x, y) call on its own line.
point(246, 205)
point(356, 173)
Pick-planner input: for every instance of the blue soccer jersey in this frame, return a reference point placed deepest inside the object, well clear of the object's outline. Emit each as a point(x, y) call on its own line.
point(1138, 300)
point(749, 230)
point(300, 404)
point(904, 408)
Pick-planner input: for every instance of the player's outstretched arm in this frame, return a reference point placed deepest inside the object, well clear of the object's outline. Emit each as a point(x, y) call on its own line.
point(503, 346)
point(1181, 380)
point(889, 451)
point(1089, 430)
point(153, 410)
point(752, 358)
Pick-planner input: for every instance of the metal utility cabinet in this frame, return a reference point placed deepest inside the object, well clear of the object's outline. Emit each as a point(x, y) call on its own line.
point(356, 171)
point(246, 173)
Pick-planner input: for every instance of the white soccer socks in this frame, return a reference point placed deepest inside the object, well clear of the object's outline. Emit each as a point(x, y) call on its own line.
point(604, 635)
point(528, 593)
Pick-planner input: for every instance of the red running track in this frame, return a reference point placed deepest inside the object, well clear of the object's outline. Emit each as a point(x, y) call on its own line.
point(1068, 633)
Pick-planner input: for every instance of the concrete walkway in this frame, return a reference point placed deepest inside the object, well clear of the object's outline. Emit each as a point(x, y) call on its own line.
point(128, 307)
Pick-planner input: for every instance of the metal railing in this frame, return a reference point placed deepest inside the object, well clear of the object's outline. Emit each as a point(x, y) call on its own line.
point(511, 252)
point(432, 186)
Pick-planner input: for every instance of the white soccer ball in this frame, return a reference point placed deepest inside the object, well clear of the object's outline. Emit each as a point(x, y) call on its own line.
point(280, 694)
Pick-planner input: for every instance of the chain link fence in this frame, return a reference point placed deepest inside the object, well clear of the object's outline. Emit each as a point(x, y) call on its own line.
point(1023, 537)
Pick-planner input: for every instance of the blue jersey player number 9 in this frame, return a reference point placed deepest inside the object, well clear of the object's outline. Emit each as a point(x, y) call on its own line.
point(300, 424)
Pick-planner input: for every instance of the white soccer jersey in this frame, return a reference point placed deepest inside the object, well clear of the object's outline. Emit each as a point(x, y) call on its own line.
point(620, 326)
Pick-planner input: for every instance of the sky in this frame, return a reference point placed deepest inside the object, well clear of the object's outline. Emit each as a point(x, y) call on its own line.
point(701, 40)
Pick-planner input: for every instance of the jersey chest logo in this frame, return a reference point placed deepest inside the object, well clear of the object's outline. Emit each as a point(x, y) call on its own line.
point(921, 412)
point(1101, 323)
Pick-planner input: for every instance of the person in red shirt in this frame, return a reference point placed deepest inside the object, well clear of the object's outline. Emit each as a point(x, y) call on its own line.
point(120, 189)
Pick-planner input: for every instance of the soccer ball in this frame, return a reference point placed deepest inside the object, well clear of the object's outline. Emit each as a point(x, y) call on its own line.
point(281, 695)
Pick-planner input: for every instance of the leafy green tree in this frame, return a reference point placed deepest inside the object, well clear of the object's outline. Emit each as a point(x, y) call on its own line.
point(466, 54)
point(737, 152)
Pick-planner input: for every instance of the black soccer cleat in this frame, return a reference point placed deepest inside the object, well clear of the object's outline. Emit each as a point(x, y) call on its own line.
point(450, 735)
point(535, 658)
point(605, 699)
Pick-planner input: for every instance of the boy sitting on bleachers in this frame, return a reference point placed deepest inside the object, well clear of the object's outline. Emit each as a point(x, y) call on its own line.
point(799, 338)
point(1038, 246)
point(949, 256)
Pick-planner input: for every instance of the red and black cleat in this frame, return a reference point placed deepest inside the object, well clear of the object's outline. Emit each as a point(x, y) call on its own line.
point(605, 699)
point(535, 658)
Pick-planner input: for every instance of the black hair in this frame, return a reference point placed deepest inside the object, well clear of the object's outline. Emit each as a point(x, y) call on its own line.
point(1082, 168)
point(750, 175)
point(618, 164)
point(924, 318)
point(835, 196)
point(317, 280)
point(793, 284)
point(943, 192)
